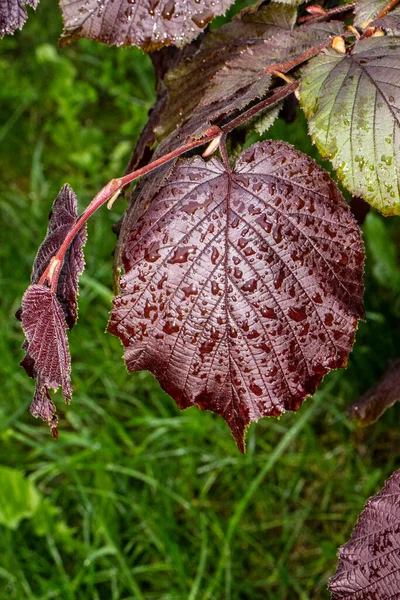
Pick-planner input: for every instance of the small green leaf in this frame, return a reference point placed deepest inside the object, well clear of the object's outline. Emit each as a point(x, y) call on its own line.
point(19, 498)
point(352, 103)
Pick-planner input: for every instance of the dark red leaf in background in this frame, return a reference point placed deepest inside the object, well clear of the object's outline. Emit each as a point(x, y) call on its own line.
point(13, 14)
point(149, 24)
point(369, 567)
point(188, 81)
point(242, 290)
point(47, 351)
point(249, 67)
point(378, 399)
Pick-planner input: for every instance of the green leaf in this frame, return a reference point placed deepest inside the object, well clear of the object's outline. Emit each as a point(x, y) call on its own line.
point(352, 103)
point(382, 251)
point(262, 122)
point(19, 498)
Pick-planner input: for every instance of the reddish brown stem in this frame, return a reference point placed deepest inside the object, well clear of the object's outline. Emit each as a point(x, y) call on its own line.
point(389, 6)
point(295, 62)
point(52, 272)
point(332, 12)
point(279, 94)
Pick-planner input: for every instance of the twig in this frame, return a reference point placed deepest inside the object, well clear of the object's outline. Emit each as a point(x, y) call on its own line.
point(389, 6)
point(332, 12)
point(110, 191)
point(279, 94)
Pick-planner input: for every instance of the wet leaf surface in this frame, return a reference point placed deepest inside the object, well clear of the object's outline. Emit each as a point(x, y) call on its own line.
point(46, 345)
point(378, 399)
point(46, 348)
point(149, 24)
point(352, 103)
point(369, 563)
point(241, 290)
point(13, 14)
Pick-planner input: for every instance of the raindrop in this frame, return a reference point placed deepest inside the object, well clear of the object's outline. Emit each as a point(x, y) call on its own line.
point(255, 389)
point(181, 254)
point(171, 327)
point(297, 314)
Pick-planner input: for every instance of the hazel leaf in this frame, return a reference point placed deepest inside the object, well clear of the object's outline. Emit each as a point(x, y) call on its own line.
point(369, 563)
point(371, 406)
point(13, 14)
point(187, 83)
point(241, 289)
point(149, 24)
point(352, 103)
point(62, 217)
point(47, 349)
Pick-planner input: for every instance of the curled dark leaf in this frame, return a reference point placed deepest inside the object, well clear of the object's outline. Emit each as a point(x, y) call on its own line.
point(378, 399)
point(47, 352)
point(61, 219)
point(13, 14)
point(241, 289)
point(368, 566)
point(45, 316)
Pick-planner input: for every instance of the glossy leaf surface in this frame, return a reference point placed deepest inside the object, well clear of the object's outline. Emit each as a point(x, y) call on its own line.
point(369, 563)
point(352, 103)
point(241, 289)
point(13, 14)
point(46, 347)
point(378, 399)
point(149, 24)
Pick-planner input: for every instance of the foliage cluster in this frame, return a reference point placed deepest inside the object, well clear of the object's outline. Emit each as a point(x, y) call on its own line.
point(274, 194)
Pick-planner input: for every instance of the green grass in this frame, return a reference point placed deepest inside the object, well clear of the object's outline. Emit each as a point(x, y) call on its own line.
point(137, 499)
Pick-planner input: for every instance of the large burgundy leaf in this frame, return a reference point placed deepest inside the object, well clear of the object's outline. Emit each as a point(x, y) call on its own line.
point(13, 14)
point(368, 566)
point(47, 348)
point(149, 24)
point(378, 399)
point(241, 290)
point(62, 216)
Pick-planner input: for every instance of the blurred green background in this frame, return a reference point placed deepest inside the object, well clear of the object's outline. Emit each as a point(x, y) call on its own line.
point(137, 500)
